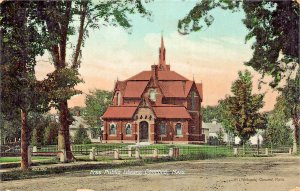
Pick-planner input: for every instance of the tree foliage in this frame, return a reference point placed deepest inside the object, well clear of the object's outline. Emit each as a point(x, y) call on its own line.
point(244, 107)
point(291, 95)
point(277, 132)
point(210, 113)
point(96, 104)
point(226, 118)
point(59, 23)
point(274, 26)
point(81, 136)
point(21, 43)
point(51, 133)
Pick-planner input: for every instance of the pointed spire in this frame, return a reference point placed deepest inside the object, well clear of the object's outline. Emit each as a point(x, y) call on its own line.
point(162, 55)
point(162, 42)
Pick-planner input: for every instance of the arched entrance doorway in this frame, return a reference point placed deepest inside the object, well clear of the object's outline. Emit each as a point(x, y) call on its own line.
point(143, 126)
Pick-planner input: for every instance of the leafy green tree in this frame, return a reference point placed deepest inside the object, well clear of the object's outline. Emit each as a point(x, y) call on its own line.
point(273, 25)
point(291, 95)
point(38, 123)
point(277, 132)
point(81, 136)
point(51, 133)
point(10, 130)
point(96, 103)
point(59, 22)
point(244, 107)
point(226, 118)
point(21, 43)
point(220, 136)
point(209, 113)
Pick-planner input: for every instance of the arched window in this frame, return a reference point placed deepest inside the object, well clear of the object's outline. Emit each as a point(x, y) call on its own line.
point(193, 100)
point(112, 129)
point(162, 129)
point(178, 129)
point(152, 95)
point(128, 129)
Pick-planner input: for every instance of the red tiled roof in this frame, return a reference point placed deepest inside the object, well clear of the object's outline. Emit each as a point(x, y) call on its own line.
point(172, 88)
point(170, 75)
point(119, 112)
point(171, 112)
point(199, 88)
point(142, 76)
point(135, 89)
point(188, 86)
point(162, 75)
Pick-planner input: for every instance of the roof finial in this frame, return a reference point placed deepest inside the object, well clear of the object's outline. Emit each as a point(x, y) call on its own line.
point(193, 77)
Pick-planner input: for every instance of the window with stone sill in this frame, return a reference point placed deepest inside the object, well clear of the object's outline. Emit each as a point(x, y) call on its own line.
point(112, 129)
point(178, 127)
point(162, 129)
point(128, 129)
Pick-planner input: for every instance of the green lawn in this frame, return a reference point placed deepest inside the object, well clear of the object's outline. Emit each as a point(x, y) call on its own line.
point(18, 159)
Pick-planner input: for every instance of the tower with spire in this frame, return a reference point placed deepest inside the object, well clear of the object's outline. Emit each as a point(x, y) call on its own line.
point(162, 66)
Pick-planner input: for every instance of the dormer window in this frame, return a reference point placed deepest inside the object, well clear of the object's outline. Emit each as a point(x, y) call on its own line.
point(152, 95)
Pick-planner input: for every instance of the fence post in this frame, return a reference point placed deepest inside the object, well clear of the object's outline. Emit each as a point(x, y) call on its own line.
point(29, 155)
point(137, 153)
point(235, 151)
point(155, 153)
point(63, 156)
point(171, 152)
point(92, 153)
point(34, 149)
point(290, 151)
point(116, 154)
point(267, 151)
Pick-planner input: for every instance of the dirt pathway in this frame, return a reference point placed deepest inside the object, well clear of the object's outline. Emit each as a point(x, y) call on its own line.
point(271, 173)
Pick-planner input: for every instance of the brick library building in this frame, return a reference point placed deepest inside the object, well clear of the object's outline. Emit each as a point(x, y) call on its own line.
point(156, 106)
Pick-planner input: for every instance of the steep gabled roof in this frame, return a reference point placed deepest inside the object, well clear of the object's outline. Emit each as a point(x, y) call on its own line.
point(200, 91)
point(172, 89)
point(167, 112)
point(188, 86)
point(134, 89)
point(119, 112)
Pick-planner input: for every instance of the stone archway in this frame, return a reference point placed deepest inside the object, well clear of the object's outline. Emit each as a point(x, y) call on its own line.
point(144, 131)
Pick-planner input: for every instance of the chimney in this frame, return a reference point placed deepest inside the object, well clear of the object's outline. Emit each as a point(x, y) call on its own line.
point(154, 71)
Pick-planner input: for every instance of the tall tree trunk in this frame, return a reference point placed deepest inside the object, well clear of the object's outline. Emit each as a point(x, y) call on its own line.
point(75, 64)
point(64, 132)
point(24, 141)
point(296, 137)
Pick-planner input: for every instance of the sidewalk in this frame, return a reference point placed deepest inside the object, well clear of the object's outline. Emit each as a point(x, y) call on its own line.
point(85, 164)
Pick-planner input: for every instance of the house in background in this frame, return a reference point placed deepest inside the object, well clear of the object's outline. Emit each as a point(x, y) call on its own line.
point(79, 121)
point(156, 106)
point(211, 131)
